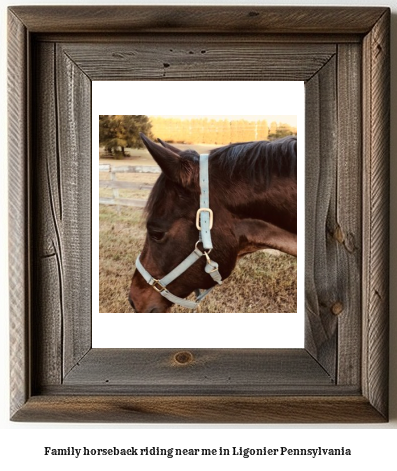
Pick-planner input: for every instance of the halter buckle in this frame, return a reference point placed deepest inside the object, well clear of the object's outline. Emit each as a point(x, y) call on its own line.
point(199, 211)
point(160, 287)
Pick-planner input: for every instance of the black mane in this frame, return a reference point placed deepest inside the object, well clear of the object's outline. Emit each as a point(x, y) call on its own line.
point(258, 161)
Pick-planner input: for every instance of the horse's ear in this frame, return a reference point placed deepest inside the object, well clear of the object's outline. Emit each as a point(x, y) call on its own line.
point(168, 160)
point(170, 147)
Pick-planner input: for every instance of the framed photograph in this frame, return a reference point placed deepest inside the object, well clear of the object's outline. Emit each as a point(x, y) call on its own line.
point(340, 374)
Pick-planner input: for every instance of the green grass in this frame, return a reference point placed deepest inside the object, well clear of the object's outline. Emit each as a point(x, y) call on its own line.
point(261, 282)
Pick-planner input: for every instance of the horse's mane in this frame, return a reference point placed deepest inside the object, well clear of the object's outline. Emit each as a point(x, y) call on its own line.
point(258, 161)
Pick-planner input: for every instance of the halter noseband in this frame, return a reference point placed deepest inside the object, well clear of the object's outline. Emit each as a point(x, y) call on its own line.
point(204, 221)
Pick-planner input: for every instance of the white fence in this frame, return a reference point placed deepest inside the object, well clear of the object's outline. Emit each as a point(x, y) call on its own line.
point(115, 184)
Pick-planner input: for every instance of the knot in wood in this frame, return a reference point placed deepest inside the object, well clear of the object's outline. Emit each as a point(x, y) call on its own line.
point(183, 358)
point(338, 235)
point(337, 308)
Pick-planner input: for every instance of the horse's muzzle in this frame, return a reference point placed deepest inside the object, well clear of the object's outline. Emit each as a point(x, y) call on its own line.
point(143, 298)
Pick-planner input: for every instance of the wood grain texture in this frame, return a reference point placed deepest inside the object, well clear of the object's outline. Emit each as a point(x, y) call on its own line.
point(228, 369)
point(62, 206)
point(225, 58)
point(376, 90)
point(338, 377)
point(321, 278)
point(198, 409)
point(74, 147)
point(18, 213)
point(198, 19)
point(48, 244)
point(346, 228)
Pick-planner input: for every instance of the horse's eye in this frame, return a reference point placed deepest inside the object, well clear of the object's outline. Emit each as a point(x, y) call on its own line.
point(156, 235)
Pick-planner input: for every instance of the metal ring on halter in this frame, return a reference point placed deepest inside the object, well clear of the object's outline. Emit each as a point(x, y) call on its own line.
point(205, 252)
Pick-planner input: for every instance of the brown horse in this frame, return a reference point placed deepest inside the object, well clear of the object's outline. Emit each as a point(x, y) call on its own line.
point(252, 194)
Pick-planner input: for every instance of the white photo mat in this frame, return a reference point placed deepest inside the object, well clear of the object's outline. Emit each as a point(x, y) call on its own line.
point(197, 330)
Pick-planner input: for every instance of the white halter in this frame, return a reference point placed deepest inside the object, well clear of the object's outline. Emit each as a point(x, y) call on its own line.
point(204, 221)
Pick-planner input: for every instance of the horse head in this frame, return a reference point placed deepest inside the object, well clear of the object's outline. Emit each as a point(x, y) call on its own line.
point(172, 233)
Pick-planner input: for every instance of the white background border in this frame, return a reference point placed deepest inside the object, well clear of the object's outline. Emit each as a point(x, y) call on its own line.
point(198, 330)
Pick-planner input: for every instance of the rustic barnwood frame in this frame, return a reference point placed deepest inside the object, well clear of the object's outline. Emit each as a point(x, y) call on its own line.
point(342, 54)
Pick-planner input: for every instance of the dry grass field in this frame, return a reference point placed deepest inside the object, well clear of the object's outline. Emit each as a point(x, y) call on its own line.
point(261, 282)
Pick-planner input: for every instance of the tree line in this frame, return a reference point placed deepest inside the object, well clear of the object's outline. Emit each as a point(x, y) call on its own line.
point(211, 131)
point(116, 132)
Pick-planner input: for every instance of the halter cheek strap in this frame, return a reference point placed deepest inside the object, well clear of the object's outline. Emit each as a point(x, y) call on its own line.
point(204, 216)
point(204, 221)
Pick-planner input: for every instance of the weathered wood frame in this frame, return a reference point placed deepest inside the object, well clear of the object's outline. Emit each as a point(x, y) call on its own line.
point(343, 56)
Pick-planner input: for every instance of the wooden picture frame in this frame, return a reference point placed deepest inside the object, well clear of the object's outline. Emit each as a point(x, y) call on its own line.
point(342, 54)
